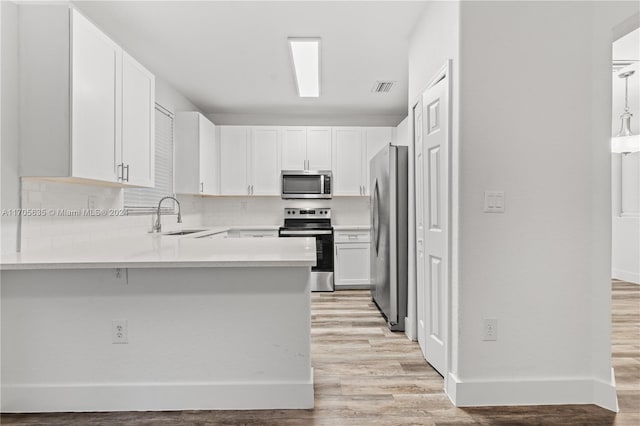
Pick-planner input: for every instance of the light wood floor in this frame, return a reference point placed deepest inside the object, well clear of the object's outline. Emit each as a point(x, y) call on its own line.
point(367, 375)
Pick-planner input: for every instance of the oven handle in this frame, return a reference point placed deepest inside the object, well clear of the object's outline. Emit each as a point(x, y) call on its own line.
point(306, 233)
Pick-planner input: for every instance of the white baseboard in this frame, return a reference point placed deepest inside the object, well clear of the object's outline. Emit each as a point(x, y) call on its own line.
point(410, 330)
point(631, 277)
point(533, 392)
point(353, 287)
point(157, 396)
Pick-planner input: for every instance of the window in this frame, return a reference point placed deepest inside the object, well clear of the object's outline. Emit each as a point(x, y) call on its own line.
point(145, 200)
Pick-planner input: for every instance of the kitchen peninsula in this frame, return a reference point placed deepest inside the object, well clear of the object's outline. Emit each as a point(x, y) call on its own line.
point(158, 322)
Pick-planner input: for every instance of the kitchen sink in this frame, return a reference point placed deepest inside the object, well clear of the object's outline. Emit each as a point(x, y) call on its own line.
point(184, 232)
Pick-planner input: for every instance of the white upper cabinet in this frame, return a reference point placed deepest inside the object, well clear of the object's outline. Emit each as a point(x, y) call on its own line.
point(375, 138)
point(265, 161)
point(86, 110)
point(250, 160)
point(348, 161)
point(138, 127)
point(96, 96)
point(294, 148)
point(234, 151)
point(306, 148)
point(209, 161)
point(319, 148)
point(196, 155)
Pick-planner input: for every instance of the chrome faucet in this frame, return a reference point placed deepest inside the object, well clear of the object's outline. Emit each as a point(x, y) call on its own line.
point(158, 227)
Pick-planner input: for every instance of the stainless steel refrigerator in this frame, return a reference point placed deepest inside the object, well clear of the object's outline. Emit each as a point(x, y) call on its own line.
point(389, 242)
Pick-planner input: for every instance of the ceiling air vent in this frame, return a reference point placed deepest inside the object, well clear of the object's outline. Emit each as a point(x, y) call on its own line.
point(382, 86)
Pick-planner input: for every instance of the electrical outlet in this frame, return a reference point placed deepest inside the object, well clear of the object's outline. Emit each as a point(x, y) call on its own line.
point(92, 202)
point(490, 331)
point(119, 331)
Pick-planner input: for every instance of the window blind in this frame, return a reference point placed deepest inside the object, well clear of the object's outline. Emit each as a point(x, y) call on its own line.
point(145, 200)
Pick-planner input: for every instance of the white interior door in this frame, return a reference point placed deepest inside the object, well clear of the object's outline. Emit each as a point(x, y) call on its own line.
point(435, 192)
point(419, 168)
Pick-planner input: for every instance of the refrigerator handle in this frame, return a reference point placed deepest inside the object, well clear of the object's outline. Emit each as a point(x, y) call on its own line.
point(376, 217)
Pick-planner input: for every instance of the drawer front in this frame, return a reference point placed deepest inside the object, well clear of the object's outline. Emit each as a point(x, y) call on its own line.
point(352, 237)
point(266, 233)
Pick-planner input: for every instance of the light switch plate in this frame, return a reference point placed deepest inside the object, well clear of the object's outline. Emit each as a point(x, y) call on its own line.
point(494, 201)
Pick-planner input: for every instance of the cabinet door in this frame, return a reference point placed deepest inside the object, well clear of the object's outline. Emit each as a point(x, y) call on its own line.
point(347, 161)
point(375, 139)
point(352, 264)
point(138, 131)
point(294, 148)
point(319, 148)
point(208, 157)
point(95, 122)
point(233, 167)
point(265, 161)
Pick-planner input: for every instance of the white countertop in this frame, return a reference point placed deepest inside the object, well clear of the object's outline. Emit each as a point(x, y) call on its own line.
point(165, 251)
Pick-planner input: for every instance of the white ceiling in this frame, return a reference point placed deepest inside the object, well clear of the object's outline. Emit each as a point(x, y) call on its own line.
point(231, 58)
point(627, 48)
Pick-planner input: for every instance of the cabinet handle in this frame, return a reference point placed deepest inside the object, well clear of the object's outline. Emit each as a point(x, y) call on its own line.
point(125, 167)
point(201, 186)
point(120, 171)
point(248, 189)
point(251, 189)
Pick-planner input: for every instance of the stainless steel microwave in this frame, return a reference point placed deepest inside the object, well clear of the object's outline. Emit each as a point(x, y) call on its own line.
point(306, 184)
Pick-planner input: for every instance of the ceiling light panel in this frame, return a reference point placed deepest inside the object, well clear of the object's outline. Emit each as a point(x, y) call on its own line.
point(305, 55)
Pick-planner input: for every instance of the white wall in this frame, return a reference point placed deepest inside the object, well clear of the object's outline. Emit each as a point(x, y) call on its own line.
point(625, 256)
point(402, 133)
point(198, 338)
point(10, 188)
point(535, 96)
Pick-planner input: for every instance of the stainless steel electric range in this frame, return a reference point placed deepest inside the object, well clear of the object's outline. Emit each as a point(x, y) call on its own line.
point(314, 223)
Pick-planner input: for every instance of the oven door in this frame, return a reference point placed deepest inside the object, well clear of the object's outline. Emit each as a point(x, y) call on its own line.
point(322, 273)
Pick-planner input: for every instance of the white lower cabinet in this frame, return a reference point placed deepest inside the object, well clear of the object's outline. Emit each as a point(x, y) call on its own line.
point(351, 259)
point(253, 233)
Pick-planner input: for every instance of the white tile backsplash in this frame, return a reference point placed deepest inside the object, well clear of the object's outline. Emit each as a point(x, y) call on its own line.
point(269, 210)
point(55, 230)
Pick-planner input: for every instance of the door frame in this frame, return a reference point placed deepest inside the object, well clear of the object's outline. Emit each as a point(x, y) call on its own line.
point(444, 72)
